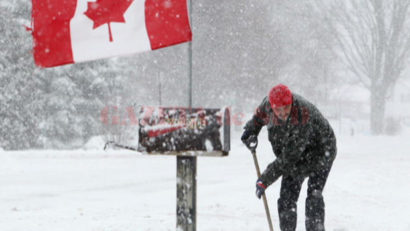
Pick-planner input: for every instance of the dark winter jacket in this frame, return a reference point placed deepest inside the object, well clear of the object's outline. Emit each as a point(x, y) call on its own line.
point(305, 142)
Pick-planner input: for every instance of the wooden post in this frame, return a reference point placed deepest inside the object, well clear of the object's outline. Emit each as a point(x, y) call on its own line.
point(186, 193)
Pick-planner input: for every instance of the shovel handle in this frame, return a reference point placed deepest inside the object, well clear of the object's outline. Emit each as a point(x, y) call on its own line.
point(265, 201)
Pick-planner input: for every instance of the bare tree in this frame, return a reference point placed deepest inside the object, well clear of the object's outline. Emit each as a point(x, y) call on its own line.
point(373, 37)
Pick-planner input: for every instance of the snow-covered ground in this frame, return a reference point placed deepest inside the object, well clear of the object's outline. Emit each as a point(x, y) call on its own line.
point(368, 189)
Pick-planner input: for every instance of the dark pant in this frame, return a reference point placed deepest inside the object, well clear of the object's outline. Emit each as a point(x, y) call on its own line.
point(315, 206)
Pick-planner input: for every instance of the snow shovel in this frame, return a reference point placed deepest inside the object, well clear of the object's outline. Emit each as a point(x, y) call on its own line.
point(252, 147)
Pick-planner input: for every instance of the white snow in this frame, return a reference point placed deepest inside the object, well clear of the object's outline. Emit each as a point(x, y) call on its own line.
point(95, 143)
point(367, 190)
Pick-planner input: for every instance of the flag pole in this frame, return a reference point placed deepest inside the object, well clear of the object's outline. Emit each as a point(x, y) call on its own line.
point(186, 167)
point(190, 59)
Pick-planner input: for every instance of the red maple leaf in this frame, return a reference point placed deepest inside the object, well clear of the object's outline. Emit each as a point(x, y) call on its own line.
point(107, 11)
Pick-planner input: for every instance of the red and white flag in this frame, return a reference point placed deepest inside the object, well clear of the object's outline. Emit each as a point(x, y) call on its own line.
point(71, 31)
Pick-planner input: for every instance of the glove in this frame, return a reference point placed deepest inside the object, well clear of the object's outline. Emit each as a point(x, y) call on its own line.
point(245, 135)
point(260, 188)
point(249, 138)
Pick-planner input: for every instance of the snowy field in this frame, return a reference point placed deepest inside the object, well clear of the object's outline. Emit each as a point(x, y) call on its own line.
point(368, 189)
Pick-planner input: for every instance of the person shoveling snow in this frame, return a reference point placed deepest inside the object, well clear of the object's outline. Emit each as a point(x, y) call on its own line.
point(305, 147)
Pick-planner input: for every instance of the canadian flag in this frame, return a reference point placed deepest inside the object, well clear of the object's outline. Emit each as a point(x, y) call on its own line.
point(71, 31)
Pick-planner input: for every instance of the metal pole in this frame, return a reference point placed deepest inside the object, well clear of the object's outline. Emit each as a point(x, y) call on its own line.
point(186, 168)
point(159, 88)
point(190, 60)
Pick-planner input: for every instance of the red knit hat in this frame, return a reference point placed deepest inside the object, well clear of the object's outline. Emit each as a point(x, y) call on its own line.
point(279, 96)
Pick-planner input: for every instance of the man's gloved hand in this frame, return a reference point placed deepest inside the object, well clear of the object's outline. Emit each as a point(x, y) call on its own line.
point(249, 139)
point(245, 135)
point(260, 188)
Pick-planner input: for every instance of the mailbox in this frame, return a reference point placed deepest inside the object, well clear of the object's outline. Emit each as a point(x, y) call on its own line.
point(184, 131)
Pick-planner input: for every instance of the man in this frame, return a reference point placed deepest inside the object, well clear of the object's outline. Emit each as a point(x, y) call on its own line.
point(304, 145)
